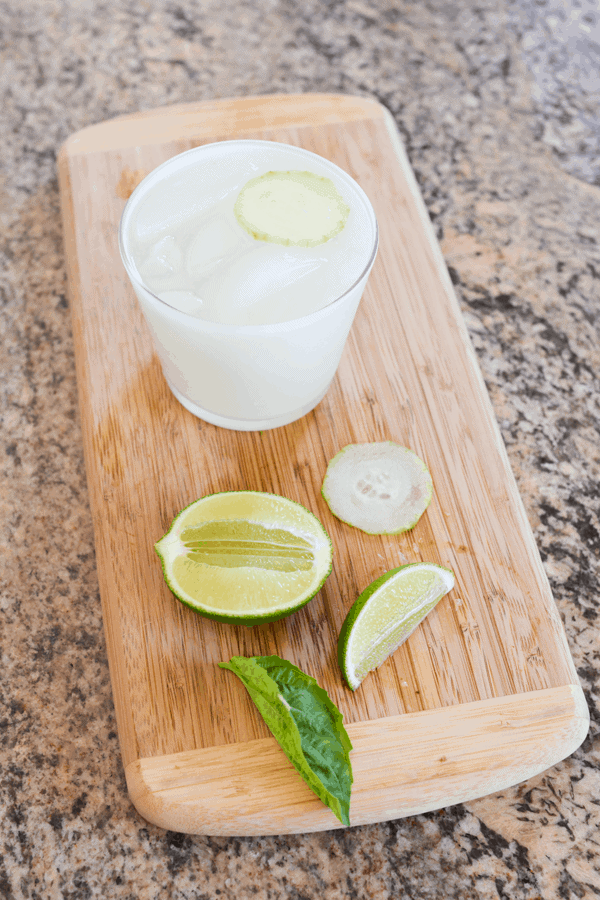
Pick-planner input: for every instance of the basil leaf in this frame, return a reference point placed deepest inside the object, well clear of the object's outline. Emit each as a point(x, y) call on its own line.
point(307, 725)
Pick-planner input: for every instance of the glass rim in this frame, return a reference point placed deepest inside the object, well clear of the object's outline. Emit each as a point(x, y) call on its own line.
point(227, 328)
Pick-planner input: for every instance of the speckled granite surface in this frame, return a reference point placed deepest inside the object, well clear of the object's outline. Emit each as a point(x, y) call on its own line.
point(498, 105)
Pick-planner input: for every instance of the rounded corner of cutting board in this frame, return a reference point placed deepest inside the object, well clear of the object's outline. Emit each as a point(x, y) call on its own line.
point(247, 789)
point(403, 766)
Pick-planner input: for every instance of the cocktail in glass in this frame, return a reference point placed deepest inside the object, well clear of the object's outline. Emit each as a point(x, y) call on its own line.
point(249, 332)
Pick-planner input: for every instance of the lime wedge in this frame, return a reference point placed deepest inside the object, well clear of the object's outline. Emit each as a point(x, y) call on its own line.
point(381, 488)
point(245, 556)
point(296, 209)
point(386, 614)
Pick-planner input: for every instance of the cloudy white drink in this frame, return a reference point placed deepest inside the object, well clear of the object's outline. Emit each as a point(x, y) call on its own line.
point(249, 259)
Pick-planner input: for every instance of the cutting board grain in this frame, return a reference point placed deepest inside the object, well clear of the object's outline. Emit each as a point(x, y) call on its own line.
point(484, 694)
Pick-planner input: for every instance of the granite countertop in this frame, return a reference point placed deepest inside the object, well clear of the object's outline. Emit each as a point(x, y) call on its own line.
point(499, 106)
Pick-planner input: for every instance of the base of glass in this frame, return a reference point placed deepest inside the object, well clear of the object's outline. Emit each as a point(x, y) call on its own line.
point(245, 424)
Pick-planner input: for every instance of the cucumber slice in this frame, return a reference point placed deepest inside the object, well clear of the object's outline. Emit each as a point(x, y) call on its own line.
point(295, 209)
point(381, 488)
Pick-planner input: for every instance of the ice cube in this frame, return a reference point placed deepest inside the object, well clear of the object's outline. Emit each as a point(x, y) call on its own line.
point(181, 197)
point(265, 284)
point(164, 259)
point(185, 301)
point(216, 241)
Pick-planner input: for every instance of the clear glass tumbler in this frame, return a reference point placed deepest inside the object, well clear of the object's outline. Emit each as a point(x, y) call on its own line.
point(244, 377)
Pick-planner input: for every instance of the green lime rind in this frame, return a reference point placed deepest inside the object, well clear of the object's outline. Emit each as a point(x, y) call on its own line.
point(322, 545)
point(340, 506)
point(400, 630)
point(305, 722)
point(244, 620)
point(293, 209)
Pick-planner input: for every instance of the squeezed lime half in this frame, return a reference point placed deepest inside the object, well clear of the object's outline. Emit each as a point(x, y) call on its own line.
point(245, 556)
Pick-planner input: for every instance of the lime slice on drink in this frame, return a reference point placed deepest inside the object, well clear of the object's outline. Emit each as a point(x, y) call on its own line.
point(386, 614)
point(245, 556)
point(380, 487)
point(296, 209)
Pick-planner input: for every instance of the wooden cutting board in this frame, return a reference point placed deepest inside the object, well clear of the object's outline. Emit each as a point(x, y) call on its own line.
point(484, 694)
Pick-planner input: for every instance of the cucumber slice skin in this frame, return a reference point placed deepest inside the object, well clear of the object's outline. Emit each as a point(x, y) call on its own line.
point(413, 522)
point(356, 609)
point(238, 619)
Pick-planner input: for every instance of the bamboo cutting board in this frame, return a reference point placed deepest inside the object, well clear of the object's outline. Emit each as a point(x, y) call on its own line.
point(484, 694)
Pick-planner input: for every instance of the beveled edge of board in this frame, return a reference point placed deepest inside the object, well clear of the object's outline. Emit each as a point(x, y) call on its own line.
point(206, 118)
point(479, 748)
